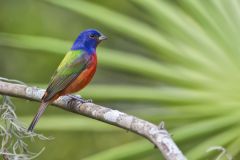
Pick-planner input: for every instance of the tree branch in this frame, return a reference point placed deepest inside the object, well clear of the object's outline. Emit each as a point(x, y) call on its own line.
point(157, 135)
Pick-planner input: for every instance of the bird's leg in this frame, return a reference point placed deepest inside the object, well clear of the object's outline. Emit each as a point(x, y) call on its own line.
point(79, 98)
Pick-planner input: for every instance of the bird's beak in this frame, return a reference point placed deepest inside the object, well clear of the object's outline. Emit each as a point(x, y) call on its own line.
point(102, 37)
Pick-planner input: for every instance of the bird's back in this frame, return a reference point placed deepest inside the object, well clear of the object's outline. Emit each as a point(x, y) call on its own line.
point(73, 64)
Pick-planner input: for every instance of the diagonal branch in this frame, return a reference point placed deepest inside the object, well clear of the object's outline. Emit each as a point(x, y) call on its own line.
point(157, 135)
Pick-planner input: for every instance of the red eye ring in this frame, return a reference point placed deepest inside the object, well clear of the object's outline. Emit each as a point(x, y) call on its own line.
point(92, 36)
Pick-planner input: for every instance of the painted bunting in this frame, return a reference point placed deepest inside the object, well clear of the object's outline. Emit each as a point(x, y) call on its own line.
point(74, 72)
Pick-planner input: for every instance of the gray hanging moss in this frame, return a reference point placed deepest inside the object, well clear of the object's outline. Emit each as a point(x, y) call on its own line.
point(14, 134)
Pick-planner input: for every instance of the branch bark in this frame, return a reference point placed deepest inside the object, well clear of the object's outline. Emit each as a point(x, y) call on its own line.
point(158, 135)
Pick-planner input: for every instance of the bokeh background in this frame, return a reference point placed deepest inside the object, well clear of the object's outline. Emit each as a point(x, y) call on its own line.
point(176, 61)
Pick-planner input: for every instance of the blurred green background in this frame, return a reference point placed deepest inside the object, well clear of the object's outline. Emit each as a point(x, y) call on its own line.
point(176, 61)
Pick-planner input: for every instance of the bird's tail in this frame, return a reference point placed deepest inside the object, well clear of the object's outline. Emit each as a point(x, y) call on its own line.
point(41, 109)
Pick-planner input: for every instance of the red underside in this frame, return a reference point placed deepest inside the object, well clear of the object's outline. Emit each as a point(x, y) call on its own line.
point(82, 80)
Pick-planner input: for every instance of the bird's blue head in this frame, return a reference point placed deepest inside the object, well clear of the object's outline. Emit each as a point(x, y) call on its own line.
point(88, 40)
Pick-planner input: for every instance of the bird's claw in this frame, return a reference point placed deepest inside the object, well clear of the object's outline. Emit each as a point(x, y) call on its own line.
point(79, 98)
point(86, 100)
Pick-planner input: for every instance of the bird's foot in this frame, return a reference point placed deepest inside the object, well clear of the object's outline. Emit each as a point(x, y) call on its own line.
point(85, 100)
point(79, 98)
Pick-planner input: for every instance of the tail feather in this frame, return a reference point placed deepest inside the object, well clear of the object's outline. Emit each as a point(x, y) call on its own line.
point(41, 109)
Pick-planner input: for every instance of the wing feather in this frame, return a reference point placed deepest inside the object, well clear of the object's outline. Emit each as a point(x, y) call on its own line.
point(69, 69)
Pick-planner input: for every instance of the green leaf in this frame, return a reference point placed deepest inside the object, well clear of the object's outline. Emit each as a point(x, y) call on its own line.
point(70, 123)
point(123, 151)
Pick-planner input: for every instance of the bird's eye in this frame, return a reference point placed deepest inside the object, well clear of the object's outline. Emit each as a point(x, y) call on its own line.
point(92, 36)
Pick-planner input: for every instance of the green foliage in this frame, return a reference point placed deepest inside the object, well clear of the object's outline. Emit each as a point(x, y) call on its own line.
point(176, 61)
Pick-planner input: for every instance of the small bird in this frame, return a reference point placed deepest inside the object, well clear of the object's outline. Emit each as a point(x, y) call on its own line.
point(74, 72)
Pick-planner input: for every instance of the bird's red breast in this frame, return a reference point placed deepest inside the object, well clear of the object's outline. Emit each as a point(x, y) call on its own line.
point(83, 79)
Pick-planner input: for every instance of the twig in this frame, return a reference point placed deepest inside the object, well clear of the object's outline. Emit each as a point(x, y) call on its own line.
point(157, 135)
point(222, 153)
point(5, 157)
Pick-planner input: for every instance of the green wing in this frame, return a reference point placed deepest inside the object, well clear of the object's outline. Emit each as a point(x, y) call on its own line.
point(71, 66)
